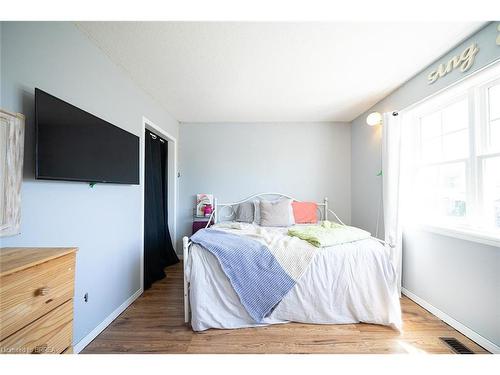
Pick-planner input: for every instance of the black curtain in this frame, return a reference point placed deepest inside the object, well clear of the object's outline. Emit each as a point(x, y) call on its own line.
point(158, 250)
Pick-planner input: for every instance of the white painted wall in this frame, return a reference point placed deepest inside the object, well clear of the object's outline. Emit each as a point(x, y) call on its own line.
point(232, 161)
point(460, 278)
point(103, 222)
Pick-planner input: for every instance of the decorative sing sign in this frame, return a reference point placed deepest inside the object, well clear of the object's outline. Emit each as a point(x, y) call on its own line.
point(464, 61)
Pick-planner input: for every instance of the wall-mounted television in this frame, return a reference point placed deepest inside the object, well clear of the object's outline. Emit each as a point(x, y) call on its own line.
point(74, 145)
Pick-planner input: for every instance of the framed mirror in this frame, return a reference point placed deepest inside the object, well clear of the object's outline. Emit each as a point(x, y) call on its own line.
point(11, 171)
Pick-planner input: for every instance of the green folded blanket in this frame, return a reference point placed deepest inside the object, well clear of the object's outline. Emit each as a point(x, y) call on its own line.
point(328, 234)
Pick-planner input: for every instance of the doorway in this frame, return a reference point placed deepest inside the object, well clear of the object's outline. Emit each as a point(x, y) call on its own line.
point(159, 192)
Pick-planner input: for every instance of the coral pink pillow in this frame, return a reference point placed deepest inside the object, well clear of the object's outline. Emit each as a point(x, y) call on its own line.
point(305, 212)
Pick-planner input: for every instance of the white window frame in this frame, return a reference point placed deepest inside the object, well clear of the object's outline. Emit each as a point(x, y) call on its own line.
point(475, 89)
point(485, 119)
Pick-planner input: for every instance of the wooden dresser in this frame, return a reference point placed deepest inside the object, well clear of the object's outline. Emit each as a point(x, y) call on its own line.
point(36, 300)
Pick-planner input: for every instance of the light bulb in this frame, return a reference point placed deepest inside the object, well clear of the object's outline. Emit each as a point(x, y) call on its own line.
point(374, 118)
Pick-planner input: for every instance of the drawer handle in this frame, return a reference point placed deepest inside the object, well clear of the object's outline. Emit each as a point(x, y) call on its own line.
point(42, 291)
point(40, 349)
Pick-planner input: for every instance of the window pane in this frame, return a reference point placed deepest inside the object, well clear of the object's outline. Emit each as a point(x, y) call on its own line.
point(495, 135)
point(430, 126)
point(452, 189)
point(427, 182)
point(456, 116)
point(442, 191)
point(491, 199)
point(456, 145)
point(494, 102)
point(431, 150)
point(444, 134)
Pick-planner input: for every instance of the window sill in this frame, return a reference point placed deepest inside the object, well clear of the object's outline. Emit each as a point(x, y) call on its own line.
point(484, 238)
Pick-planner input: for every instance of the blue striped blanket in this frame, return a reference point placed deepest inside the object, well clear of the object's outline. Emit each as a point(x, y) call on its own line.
point(258, 277)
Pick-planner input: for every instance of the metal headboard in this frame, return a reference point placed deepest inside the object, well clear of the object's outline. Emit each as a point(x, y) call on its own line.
point(221, 208)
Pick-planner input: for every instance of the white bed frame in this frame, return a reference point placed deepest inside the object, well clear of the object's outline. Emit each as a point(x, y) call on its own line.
point(218, 213)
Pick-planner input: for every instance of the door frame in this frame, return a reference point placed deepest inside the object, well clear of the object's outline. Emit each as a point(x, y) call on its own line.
point(172, 181)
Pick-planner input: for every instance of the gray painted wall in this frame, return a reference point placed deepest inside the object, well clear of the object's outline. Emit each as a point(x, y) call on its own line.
point(104, 222)
point(232, 161)
point(459, 277)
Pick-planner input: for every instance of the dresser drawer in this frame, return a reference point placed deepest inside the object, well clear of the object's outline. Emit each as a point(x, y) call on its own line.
point(51, 334)
point(30, 293)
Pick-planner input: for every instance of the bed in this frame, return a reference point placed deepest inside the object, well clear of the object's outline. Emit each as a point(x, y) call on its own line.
point(347, 283)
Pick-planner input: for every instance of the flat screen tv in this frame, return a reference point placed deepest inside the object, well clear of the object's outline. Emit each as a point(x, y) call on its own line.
point(74, 145)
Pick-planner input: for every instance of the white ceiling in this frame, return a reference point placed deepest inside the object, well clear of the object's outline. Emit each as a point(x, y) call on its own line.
point(259, 72)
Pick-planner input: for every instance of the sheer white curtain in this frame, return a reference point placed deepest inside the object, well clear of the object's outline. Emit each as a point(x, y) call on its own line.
point(391, 181)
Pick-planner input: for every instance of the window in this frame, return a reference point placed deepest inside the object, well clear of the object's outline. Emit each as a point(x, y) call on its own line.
point(453, 156)
point(443, 160)
point(493, 101)
point(490, 157)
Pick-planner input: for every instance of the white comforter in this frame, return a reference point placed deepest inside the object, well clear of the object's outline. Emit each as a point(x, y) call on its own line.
point(349, 283)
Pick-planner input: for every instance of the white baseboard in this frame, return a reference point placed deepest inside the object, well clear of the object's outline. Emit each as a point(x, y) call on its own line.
point(474, 336)
point(106, 322)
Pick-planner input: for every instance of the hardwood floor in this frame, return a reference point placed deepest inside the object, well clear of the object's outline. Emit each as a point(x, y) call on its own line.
point(154, 323)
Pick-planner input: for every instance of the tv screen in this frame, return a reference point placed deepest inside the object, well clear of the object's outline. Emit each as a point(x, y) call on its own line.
point(74, 145)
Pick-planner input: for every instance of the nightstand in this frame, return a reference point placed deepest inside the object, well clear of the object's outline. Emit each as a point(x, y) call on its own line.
point(200, 222)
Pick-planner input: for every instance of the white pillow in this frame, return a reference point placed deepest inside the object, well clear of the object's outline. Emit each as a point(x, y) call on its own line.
point(277, 213)
point(256, 215)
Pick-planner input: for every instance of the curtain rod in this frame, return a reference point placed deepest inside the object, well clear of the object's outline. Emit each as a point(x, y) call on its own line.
point(154, 136)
